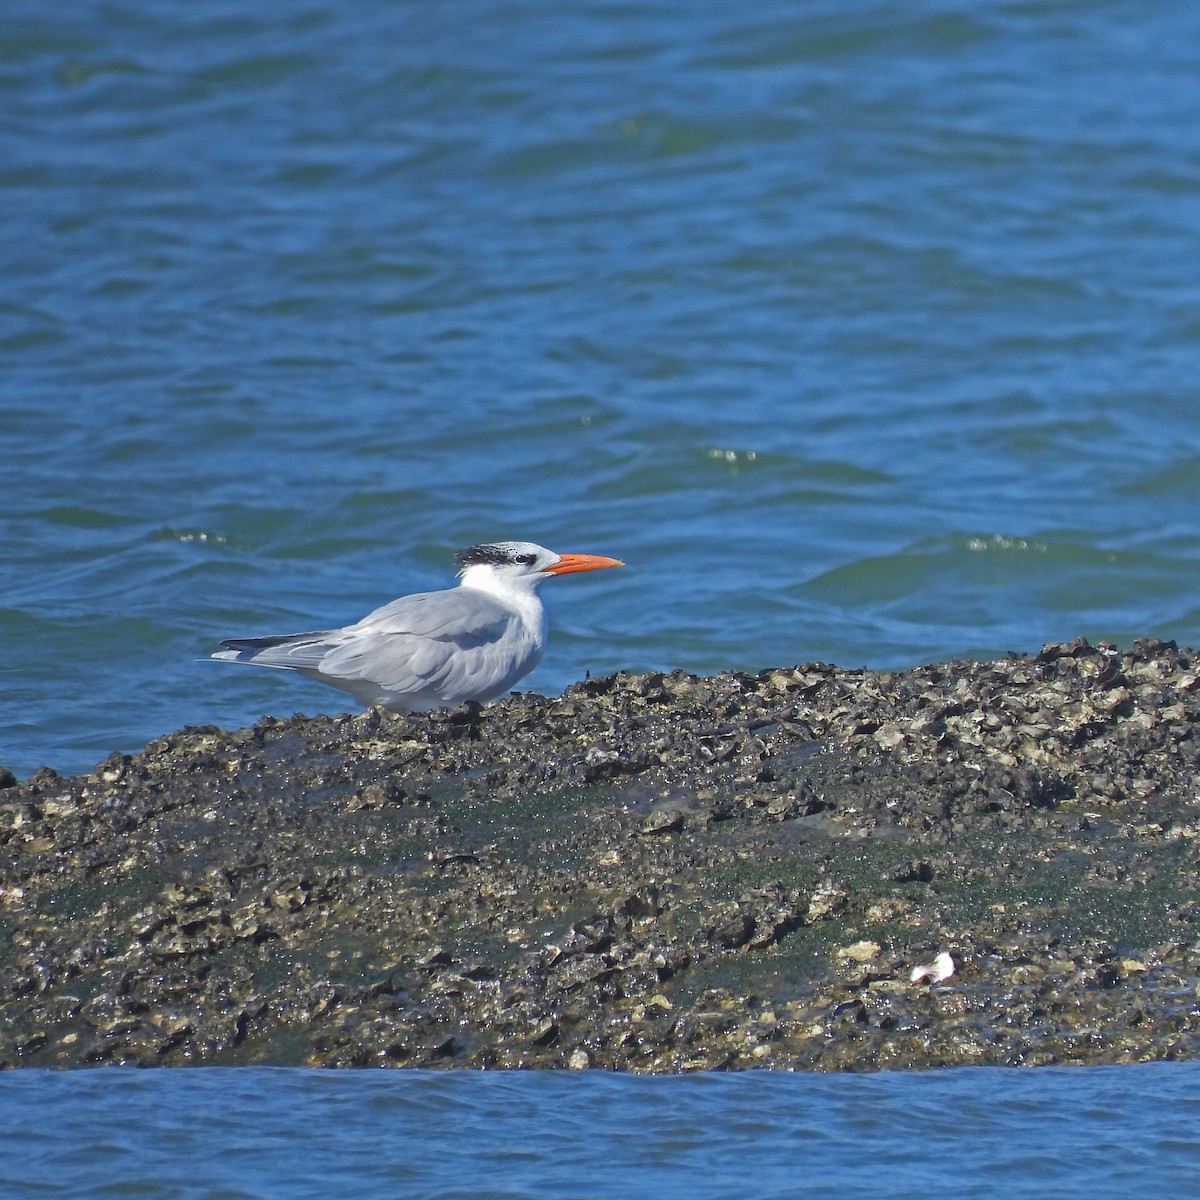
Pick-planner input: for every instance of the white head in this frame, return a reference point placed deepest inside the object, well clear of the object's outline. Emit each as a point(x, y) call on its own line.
point(524, 565)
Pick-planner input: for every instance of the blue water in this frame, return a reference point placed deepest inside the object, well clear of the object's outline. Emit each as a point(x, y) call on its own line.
point(866, 333)
point(863, 332)
point(253, 1133)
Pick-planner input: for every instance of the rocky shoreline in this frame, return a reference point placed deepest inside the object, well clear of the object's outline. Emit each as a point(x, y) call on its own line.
point(651, 873)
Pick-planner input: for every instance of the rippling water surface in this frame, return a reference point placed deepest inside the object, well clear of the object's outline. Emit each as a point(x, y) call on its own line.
point(866, 333)
point(1104, 1133)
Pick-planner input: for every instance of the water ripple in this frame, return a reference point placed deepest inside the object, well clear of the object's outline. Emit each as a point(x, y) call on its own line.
point(1091, 1133)
point(792, 315)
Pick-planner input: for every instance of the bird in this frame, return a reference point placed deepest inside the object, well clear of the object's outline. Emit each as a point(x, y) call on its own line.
point(434, 649)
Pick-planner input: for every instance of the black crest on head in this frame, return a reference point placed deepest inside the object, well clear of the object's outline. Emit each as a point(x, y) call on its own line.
point(488, 553)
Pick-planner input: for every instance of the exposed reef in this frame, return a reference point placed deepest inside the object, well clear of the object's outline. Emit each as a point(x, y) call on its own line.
point(653, 873)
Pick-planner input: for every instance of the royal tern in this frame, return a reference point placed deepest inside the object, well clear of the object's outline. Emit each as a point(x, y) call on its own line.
point(470, 642)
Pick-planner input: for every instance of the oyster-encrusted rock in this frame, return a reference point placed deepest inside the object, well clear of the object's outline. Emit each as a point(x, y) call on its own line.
point(652, 872)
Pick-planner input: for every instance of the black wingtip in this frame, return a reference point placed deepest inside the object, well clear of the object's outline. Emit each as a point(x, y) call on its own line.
point(262, 643)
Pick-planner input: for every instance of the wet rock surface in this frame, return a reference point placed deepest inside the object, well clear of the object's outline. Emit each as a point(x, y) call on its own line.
point(653, 873)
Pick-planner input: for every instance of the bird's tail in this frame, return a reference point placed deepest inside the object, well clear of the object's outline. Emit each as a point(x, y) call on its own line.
point(288, 651)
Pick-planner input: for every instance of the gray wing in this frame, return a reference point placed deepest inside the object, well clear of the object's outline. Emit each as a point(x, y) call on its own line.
point(436, 647)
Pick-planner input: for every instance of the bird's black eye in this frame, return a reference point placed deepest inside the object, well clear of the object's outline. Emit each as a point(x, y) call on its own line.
point(526, 560)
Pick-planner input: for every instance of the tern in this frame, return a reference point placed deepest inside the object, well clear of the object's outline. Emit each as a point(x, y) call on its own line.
point(470, 642)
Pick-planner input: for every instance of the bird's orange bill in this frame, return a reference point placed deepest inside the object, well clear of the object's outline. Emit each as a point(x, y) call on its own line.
point(568, 563)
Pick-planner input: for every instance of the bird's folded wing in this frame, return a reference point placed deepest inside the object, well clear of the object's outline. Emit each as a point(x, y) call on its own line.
point(458, 613)
point(450, 642)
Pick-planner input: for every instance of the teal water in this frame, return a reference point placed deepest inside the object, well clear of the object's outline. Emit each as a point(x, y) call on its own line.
point(863, 333)
point(246, 1133)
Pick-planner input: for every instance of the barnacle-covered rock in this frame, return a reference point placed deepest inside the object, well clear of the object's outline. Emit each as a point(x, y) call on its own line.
point(653, 872)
